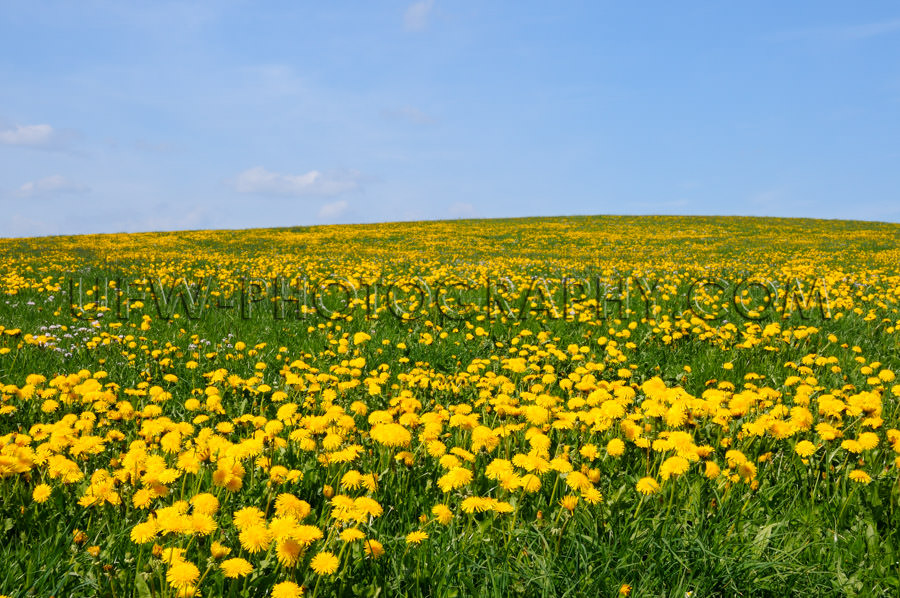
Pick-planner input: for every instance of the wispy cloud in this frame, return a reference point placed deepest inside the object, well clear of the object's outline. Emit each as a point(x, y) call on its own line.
point(51, 185)
point(843, 32)
point(417, 15)
point(409, 114)
point(260, 181)
point(870, 30)
point(334, 209)
point(41, 136)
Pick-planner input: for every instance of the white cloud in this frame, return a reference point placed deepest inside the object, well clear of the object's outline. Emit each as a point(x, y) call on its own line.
point(39, 137)
point(333, 209)
point(416, 16)
point(462, 210)
point(28, 135)
point(260, 181)
point(51, 185)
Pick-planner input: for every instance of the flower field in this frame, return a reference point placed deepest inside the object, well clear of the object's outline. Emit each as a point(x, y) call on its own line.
point(583, 406)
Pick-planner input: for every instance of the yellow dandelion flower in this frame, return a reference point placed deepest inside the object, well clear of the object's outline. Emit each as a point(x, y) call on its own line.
point(747, 471)
point(286, 589)
point(852, 446)
point(615, 448)
point(868, 440)
point(589, 452)
point(368, 505)
point(288, 552)
point(476, 503)
point(219, 550)
point(443, 513)
point(203, 524)
point(324, 563)
point(255, 538)
point(182, 574)
point(374, 548)
point(235, 568)
point(416, 537)
point(351, 480)
point(569, 502)
point(289, 505)
point(500, 506)
point(455, 478)
point(859, 476)
point(171, 555)
point(578, 481)
point(307, 534)
point(144, 533)
point(647, 486)
point(735, 458)
point(205, 503)
point(142, 499)
point(390, 435)
point(187, 591)
point(673, 466)
point(41, 493)
point(247, 517)
point(530, 483)
point(352, 534)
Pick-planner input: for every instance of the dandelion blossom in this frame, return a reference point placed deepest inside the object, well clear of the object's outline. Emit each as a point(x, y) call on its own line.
point(530, 483)
point(288, 504)
point(352, 534)
point(673, 466)
point(41, 493)
point(647, 486)
point(569, 502)
point(182, 574)
point(255, 538)
point(592, 496)
point(455, 478)
point(234, 568)
point(443, 513)
point(142, 499)
point(286, 589)
point(248, 516)
point(859, 476)
point(324, 563)
point(144, 532)
point(289, 551)
point(805, 448)
point(205, 503)
point(219, 550)
point(476, 503)
point(307, 534)
point(615, 448)
point(374, 548)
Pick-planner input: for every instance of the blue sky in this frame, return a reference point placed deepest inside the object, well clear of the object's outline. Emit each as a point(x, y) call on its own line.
point(135, 116)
